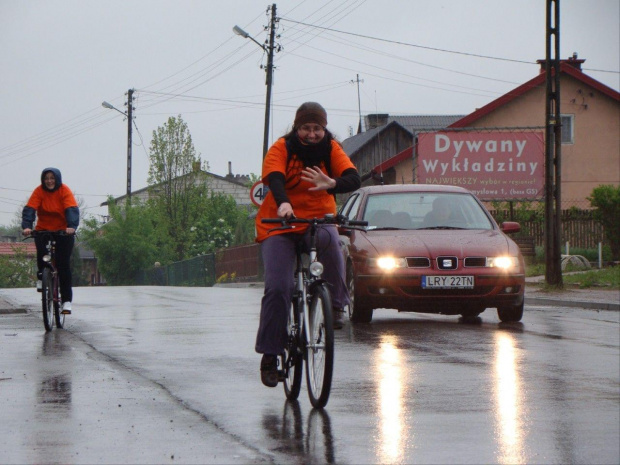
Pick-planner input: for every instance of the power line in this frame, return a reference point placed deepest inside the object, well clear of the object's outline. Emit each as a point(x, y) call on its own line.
point(409, 44)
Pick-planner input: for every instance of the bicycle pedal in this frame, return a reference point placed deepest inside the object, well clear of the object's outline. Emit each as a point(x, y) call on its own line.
point(66, 312)
point(281, 375)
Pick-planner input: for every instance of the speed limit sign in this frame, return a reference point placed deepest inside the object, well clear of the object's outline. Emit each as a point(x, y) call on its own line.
point(258, 193)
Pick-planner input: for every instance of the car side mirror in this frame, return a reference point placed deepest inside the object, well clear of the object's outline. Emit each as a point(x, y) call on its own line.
point(510, 227)
point(344, 231)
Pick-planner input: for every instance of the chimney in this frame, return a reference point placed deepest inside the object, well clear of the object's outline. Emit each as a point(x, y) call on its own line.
point(230, 168)
point(572, 61)
point(377, 119)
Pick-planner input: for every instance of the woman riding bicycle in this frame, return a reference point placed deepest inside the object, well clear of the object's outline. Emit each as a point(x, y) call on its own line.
point(303, 169)
point(55, 208)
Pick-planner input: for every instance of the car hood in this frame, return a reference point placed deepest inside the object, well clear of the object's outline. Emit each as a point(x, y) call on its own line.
point(458, 242)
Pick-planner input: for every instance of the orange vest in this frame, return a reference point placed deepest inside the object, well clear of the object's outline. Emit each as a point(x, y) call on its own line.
point(306, 204)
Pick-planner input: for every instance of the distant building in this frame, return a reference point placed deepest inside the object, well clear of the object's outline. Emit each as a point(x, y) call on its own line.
point(236, 186)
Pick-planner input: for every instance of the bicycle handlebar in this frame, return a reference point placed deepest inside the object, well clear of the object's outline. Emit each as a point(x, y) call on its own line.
point(39, 232)
point(327, 219)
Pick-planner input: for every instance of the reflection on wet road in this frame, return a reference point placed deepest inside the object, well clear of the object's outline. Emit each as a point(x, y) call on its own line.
point(407, 388)
point(392, 410)
point(509, 405)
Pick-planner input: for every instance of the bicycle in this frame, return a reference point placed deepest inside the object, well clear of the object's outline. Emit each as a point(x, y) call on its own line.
point(50, 283)
point(310, 325)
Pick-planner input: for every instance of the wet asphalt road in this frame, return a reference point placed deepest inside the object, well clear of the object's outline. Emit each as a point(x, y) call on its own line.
point(169, 375)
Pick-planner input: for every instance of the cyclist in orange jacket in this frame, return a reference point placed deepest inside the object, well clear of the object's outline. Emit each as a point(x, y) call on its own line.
point(55, 209)
point(303, 169)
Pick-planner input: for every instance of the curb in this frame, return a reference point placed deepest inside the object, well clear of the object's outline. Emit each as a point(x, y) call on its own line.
point(571, 303)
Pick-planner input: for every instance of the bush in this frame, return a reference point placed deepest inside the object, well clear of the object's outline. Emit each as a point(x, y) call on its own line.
point(605, 199)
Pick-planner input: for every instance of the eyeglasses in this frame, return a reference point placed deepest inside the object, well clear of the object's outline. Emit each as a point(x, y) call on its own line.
point(307, 128)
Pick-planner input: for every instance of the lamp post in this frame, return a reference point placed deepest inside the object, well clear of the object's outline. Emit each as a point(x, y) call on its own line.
point(129, 134)
point(269, 48)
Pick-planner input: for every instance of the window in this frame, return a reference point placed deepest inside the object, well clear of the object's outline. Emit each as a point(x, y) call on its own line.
point(567, 128)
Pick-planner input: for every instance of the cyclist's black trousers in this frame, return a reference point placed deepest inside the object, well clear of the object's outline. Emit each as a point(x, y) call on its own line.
point(64, 248)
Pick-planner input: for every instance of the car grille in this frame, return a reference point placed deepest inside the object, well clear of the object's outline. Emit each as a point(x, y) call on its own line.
point(476, 261)
point(418, 262)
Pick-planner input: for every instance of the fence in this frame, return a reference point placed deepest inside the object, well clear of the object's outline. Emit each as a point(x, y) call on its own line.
point(197, 271)
point(579, 228)
point(243, 263)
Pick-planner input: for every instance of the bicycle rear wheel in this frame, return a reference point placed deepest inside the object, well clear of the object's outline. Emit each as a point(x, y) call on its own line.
point(320, 347)
point(47, 298)
point(293, 360)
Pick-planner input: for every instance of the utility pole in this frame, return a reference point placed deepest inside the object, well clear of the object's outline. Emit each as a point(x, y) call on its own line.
point(129, 144)
point(359, 105)
point(269, 78)
point(553, 148)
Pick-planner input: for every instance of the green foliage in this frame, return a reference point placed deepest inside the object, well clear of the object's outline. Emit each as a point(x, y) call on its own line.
point(178, 185)
point(606, 277)
point(605, 199)
point(522, 212)
point(124, 245)
point(220, 224)
point(17, 270)
point(15, 230)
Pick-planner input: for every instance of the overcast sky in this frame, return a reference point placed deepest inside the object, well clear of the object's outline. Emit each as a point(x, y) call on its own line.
point(62, 58)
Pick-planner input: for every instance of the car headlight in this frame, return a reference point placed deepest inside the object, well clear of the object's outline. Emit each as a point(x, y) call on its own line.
point(505, 263)
point(387, 263)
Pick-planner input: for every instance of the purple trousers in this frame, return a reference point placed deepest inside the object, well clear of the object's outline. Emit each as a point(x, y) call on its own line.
point(279, 261)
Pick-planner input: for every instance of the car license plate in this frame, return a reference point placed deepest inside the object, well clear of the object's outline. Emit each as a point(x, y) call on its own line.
point(447, 282)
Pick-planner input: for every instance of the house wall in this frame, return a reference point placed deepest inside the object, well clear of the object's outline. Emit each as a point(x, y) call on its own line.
point(594, 157)
point(387, 144)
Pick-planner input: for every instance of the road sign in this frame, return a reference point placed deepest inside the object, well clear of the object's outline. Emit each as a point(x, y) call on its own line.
point(258, 193)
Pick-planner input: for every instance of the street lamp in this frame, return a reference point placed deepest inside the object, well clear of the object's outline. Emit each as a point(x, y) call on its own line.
point(129, 121)
point(269, 49)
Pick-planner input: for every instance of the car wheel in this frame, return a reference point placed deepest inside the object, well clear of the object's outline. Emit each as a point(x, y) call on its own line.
point(510, 313)
point(358, 311)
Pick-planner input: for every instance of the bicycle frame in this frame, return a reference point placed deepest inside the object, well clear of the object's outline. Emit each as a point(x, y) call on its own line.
point(311, 338)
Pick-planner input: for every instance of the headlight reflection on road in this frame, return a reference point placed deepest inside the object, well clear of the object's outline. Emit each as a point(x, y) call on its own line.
point(509, 409)
point(392, 410)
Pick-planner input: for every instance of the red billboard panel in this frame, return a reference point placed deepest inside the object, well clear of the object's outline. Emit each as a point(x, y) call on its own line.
point(493, 165)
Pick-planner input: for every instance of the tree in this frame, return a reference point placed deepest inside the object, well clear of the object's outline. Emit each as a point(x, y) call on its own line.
point(125, 245)
point(220, 223)
point(17, 270)
point(174, 174)
point(606, 201)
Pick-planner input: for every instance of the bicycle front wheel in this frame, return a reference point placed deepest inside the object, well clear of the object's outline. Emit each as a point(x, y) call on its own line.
point(60, 317)
point(47, 298)
point(320, 347)
point(293, 360)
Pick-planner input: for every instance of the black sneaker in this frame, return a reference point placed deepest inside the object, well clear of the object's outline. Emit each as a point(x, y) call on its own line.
point(338, 318)
point(269, 370)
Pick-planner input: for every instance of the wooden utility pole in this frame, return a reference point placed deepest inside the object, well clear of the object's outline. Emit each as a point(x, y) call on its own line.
point(129, 143)
point(269, 80)
point(553, 147)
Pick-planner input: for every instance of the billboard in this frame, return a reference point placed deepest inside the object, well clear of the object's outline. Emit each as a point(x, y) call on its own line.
point(493, 165)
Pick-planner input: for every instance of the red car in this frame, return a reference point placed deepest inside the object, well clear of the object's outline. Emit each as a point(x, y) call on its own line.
point(430, 249)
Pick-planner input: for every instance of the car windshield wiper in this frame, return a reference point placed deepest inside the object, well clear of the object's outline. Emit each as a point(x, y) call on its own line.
point(443, 227)
point(383, 228)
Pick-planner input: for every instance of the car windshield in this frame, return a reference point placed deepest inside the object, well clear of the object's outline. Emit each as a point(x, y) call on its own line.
point(425, 210)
